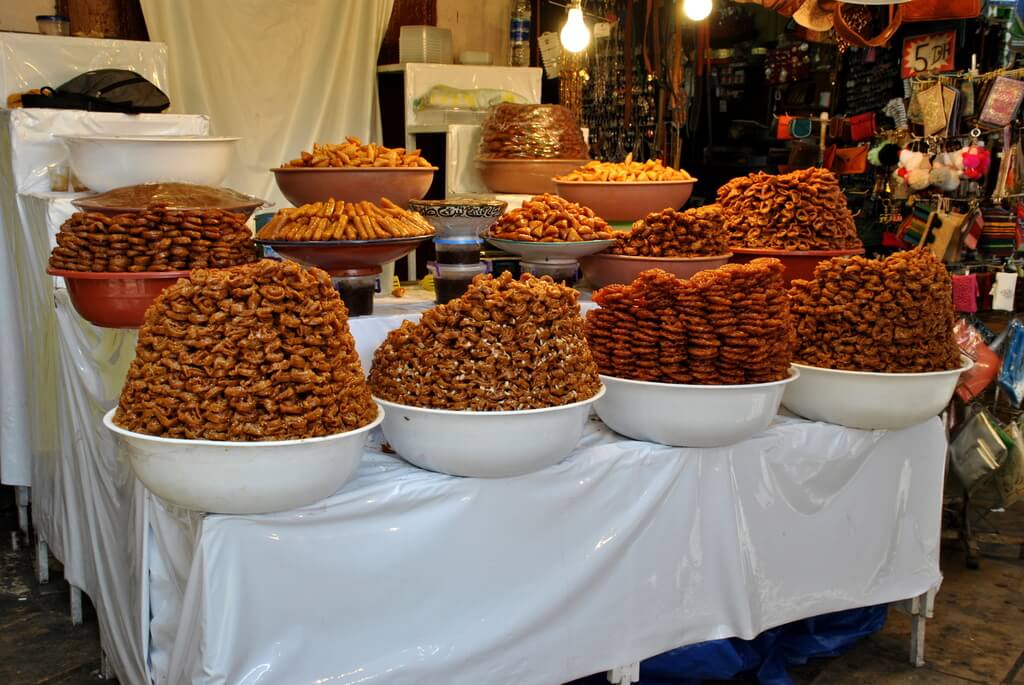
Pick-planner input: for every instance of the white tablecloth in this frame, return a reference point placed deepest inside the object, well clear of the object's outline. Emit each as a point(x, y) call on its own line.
point(624, 550)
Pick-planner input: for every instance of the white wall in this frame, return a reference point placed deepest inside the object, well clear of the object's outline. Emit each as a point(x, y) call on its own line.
point(477, 25)
point(20, 15)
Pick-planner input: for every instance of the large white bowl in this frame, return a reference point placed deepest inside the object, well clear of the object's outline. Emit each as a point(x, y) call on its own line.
point(107, 162)
point(689, 415)
point(861, 399)
point(243, 477)
point(485, 444)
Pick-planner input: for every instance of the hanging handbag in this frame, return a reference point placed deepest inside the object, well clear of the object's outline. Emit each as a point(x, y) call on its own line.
point(978, 450)
point(846, 28)
point(860, 127)
point(850, 160)
point(941, 10)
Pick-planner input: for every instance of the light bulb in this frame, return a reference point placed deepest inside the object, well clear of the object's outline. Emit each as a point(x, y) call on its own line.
point(575, 35)
point(697, 10)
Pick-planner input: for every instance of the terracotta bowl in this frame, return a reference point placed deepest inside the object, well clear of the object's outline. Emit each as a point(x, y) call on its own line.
point(346, 257)
point(524, 176)
point(604, 269)
point(799, 264)
point(114, 299)
point(399, 184)
point(626, 201)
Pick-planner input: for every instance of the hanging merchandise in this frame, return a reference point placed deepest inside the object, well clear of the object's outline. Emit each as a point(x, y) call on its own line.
point(1002, 102)
point(945, 230)
point(965, 293)
point(852, 20)
point(945, 171)
point(1011, 373)
point(1005, 288)
point(1010, 479)
point(847, 160)
point(977, 450)
point(917, 224)
point(914, 168)
point(896, 110)
point(976, 158)
point(941, 10)
point(975, 380)
point(884, 155)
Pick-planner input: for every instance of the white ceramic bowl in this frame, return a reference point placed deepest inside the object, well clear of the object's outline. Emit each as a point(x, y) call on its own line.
point(243, 477)
point(107, 162)
point(689, 415)
point(485, 444)
point(861, 399)
point(551, 252)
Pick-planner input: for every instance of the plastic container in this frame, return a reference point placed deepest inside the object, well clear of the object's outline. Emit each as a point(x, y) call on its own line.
point(53, 25)
point(452, 280)
point(559, 271)
point(428, 44)
point(356, 292)
point(458, 250)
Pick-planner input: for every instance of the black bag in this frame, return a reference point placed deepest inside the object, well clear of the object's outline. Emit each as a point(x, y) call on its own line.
point(103, 90)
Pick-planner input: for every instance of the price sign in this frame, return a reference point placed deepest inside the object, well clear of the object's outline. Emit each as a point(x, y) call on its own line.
point(931, 52)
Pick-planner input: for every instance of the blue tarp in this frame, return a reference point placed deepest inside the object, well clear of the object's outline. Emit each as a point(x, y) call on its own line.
point(764, 659)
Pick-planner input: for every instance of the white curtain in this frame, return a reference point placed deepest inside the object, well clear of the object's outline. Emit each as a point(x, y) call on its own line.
point(280, 74)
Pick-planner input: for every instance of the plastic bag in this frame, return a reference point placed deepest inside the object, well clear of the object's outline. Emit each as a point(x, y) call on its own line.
point(531, 132)
point(446, 97)
point(1011, 373)
point(986, 362)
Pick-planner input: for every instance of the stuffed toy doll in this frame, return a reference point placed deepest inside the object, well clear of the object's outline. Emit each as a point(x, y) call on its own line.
point(976, 161)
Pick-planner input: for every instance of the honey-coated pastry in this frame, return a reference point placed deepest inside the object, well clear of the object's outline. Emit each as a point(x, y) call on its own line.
point(627, 171)
point(352, 153)
point(550, 219)
point(696, 232)
point(339, 220)
point(506, 344)
point(158, 239)
point(252, 353)
point(724, 326)
point(891, 315)
point(801, 210)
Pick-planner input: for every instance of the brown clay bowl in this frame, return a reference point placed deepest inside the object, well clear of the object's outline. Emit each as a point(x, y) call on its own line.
point(303, 186)
point(604, 269)
point(799, 264)
point(615, 201)
point(115, 299)
point(524, 176)
point(346, 257)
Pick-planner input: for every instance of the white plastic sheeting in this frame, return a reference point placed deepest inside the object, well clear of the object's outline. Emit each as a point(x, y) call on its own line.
point(624, 550)
point(28, 359)
point(32, 61)
point(282, 74)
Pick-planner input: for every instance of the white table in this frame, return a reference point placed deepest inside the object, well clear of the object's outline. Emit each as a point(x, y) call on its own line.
point(622, 551)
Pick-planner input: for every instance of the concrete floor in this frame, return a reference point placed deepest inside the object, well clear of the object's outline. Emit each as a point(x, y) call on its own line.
point(977, 635)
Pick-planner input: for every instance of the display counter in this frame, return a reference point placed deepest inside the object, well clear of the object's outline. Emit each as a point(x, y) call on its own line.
point(622, 551)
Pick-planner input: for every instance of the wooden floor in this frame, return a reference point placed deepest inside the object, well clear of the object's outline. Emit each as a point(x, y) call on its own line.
point(977, 635)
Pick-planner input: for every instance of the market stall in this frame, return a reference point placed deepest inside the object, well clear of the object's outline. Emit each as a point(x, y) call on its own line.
point(670, 425)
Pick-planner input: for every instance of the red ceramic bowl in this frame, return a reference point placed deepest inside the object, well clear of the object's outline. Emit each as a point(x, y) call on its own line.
point(604, 269)
point(626, 201)
point(346, 257)
point(799, 264)
point(305, 185)
point(113, 299)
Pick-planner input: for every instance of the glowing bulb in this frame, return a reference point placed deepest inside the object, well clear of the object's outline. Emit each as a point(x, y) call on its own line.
point(697, 10)
point(575, 35)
